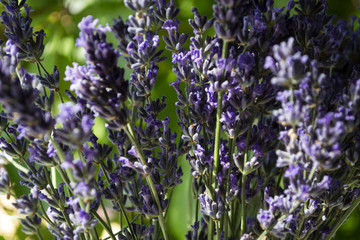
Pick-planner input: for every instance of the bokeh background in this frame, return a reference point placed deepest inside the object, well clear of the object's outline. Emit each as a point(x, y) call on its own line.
point(59, 19)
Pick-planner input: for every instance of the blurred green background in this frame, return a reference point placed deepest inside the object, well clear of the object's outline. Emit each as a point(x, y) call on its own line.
point(59, 19)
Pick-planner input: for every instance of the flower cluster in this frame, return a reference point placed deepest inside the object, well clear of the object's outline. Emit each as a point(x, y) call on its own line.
point(268, 107)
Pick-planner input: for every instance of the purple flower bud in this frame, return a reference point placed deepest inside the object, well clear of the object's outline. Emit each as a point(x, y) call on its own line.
point(265, 218)
point(170, 25)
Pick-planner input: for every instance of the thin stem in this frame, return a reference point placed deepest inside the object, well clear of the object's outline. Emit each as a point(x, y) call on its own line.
point(234, 210)
point(127, 220)
point(39, 71)
point(120, 204)
point(8, 135)
point(167, 209)
point(340, 221)
point(86, 234)
point(101, 221)
point(243, 178)
point(17, 165)
point(133, 113)
point(122, 229)
point(231, 149)
point(28, 165)
point(94, 234)
point(312, 172)
point(58, 149)
point(157, 232)
point(105, 213)
point(105, 172)
point(217, 134)
point(46, 217)
point(62, 208)
point(67, 178)
point(61, 98)
point(218, 231)
point(298, 232)
point(53, 176)
point(197, 210)
point(38, 62)
point(121, 220)
point(131, 134)
point(64, 177)
point(210, 229)
point(38, 234)
point(218, 124)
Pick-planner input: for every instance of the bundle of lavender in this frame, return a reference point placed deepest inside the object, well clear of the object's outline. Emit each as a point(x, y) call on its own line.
point(269, 111)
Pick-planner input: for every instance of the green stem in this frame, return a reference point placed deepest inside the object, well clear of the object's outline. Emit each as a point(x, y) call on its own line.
point(8, 135)
point(58, 149)
point(167, 209)
point(102, 166)
point(17, 165)
point(105, 213)
point(120, 204)
point(64, 177)
point(131, 134)
point(86, 234)
point(42, 66)
point(217, 134)
point(62, 208)
point(101, 221)
point(67, 178)
point(340, 221)
point(38, 234)
point(231, 149)
point(132, 221)
point(47, 219)
point(218, 231)
point(94, 234)
point(53, 176)
point(127, 220)
point(218, 124)
point(243, 178)
point(210, 229)
point(197, 213)
point(234, 210)
point(61, 98)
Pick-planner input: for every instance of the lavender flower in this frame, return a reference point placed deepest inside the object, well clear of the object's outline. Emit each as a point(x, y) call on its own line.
point(19, 30)
point(28, 205)
point(268, 109)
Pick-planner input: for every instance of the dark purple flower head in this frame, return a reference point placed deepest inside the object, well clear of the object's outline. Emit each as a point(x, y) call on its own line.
point(30, 45)
point(13, 6)
point(28, 205)
point(18, 100)
point(246, 61)
point(139, 5)
point(101, 83)
point(170, 25)
point(213, 209)
point(257, 21)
